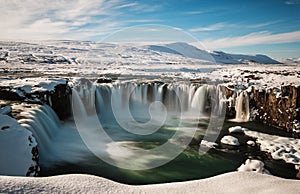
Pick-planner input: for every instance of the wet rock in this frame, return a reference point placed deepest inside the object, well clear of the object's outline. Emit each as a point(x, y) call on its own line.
point(104, 80)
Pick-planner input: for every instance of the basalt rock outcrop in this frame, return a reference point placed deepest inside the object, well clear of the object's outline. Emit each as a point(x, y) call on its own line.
point(58, 98)
point(61, 100)
point(278, 107)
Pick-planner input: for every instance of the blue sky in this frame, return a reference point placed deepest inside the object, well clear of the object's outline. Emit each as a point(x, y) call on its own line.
point(258, 26)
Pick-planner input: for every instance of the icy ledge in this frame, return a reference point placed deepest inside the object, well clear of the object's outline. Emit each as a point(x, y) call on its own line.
point(17, 147)
point(234, 182)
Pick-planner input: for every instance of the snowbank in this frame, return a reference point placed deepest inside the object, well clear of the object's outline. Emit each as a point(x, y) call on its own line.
point(16, 145)
point(5, 110)
point(285, 148)
point(208, 144)
point(234, 182)
point(229, 140)
point(253, 166)
point(236, 129)
point(31, 85)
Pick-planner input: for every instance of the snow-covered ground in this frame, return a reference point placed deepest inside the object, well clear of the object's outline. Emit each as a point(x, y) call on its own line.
point(24, 86)
point(176, 61)
point(284, 148)
point(234, 182)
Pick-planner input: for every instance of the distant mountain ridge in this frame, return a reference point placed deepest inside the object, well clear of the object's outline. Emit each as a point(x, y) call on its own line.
point(190, 51)
point(68, 52)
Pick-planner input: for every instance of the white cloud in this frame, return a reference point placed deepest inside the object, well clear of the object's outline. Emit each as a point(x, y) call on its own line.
point(292, 2)
point(260, 25)
point(214, 27)
point(194, 12)
point(63, 19)
point(252, 39)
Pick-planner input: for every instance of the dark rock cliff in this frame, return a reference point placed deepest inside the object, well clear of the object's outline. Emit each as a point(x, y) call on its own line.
point(278, 107)
point(59, 99)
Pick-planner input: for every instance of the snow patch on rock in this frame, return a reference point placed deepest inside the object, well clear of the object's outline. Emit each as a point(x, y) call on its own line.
point(236, 129)
point(229, 140)
point(208, 144)
point(285, 148)
point(253, 166)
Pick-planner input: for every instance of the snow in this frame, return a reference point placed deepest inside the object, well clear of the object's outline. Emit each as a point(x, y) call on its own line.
point(222, 57)
point(15, 152)
point(285, 148)
point(233, 182)
point(252, 165)
point(208, 144)
point(236, 129)
point(230, 140)
point(31, 85)
point(250, 143)
point(173, 61)
point(5, 110)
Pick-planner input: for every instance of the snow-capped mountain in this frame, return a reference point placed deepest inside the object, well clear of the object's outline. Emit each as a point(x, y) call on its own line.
point(67, 52)
point(290, 61)
point(213, 56)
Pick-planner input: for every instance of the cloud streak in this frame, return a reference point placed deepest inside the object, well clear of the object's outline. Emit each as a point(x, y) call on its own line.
point(252, 39)
point(63, 19)
point(292, 2)
point(214, 27)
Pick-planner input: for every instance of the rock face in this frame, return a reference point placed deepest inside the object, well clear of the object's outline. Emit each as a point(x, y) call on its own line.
point(280, 109)
point(61, 100)
point(54, 92)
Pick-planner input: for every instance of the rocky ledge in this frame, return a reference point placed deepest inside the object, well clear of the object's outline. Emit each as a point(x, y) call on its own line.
point(275, 106)
point(55, 92)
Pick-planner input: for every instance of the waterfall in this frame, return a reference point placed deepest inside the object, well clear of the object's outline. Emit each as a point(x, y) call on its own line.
point(125, 110)
point(128, 112)
point(136, 98)
point(242, 107)
point(44, 125)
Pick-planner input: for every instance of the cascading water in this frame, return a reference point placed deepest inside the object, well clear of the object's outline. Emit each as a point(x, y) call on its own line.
point(126, 111)
point(175, 97)
point(130, 111)
point(242, 107)
point(44, 124)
